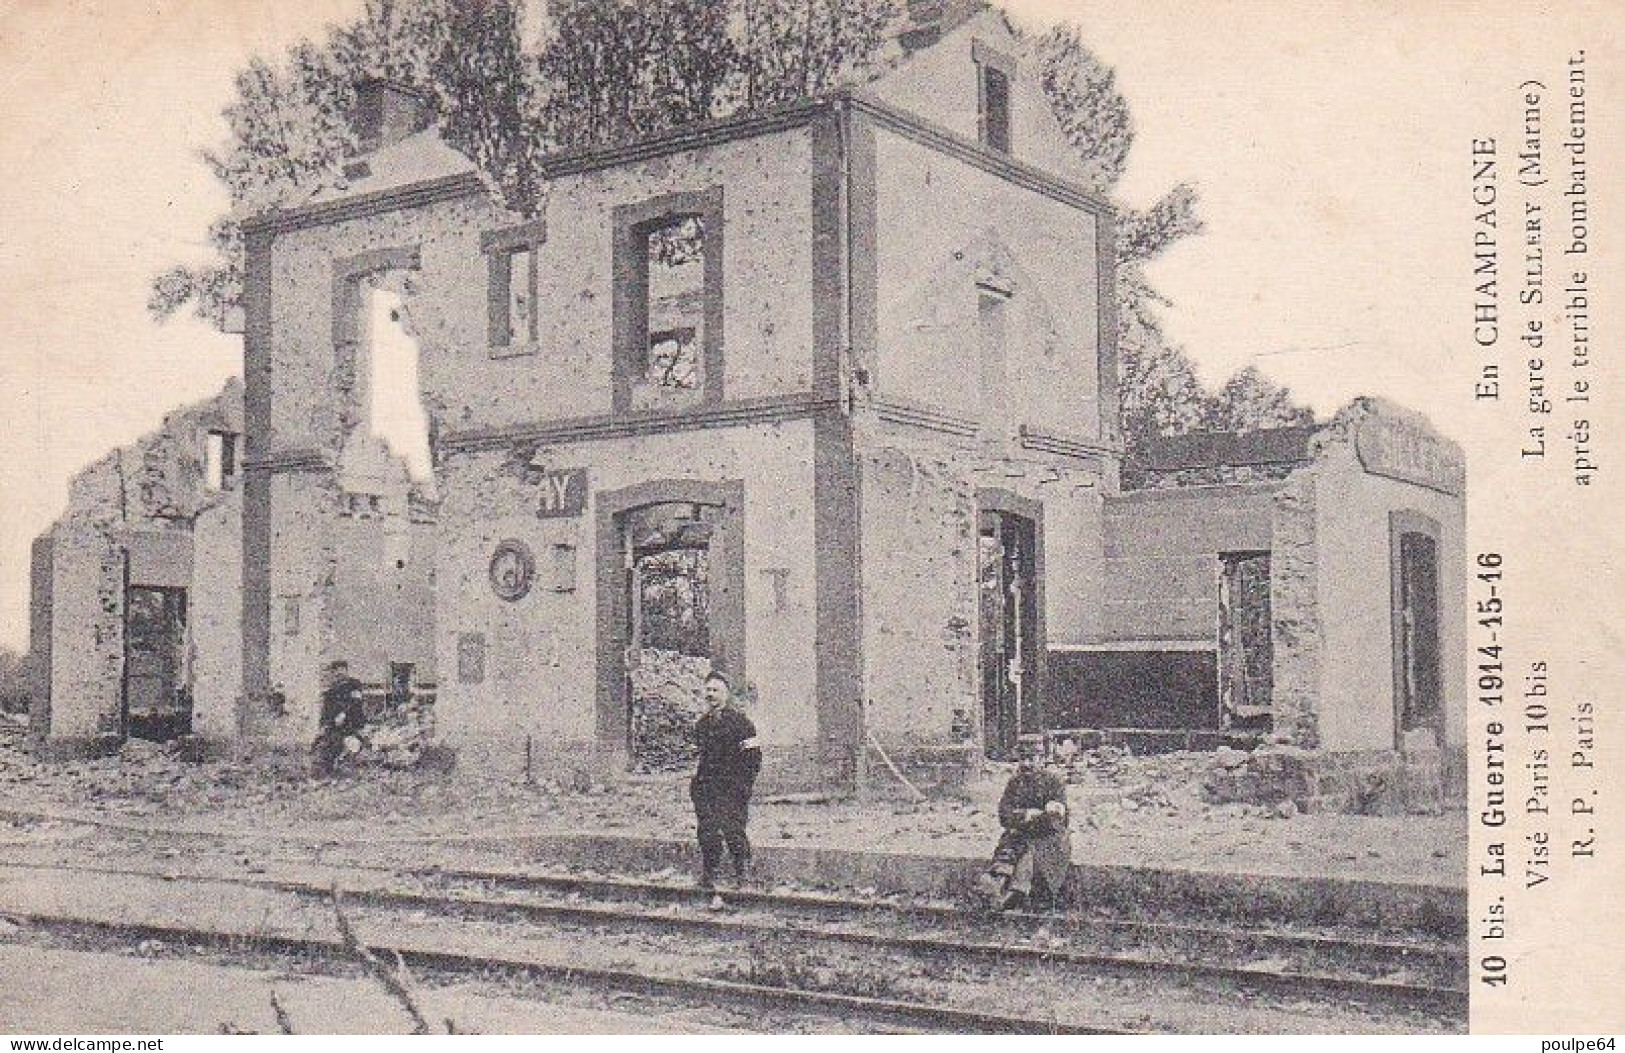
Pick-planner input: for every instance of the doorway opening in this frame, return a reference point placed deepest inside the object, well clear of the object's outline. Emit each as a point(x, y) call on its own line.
point(668, 551)
point(157, 701)
point(1416, 630)
point(1007, 546)
point(1246, 649)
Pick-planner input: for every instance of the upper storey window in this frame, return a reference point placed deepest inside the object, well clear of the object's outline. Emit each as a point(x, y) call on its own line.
point(219, 460)
point(674, 260)
point(515, 278)
point(668, 302)
point(995, 75)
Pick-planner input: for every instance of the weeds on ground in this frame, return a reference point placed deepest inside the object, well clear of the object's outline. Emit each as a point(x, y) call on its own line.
point(778, 962)
point(396, 981)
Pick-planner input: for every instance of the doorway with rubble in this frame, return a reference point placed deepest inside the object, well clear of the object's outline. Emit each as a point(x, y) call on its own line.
point(675, 611)
point(157, 702)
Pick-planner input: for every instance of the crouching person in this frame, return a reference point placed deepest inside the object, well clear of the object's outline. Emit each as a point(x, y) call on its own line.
point(1034, 855)
point(730, 759)
point(342, 715)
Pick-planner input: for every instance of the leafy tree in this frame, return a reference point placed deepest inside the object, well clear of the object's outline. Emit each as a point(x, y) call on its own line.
point(611, 70)
point(795, 49)
point(618, 70)
point(1160, 392)
point(290, 130)
point(486, 94)
point(1249, 401)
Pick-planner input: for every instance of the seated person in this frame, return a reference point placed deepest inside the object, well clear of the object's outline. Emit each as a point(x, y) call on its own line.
point(1034, 855)
point(342, 716)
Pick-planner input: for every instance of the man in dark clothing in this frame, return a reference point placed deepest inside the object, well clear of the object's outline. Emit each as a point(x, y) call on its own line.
point(1034, 855)
point(342, 715)
point(729, 760)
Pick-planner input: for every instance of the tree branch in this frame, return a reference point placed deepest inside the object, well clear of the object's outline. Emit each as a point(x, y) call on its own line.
point(393, 982)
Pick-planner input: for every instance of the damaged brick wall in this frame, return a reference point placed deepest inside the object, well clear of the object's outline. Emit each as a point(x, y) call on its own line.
point(216, 618)
point(128, 521)
point(527, 666)
point(1355, 556)
point(304, 518)
point(1295, 613)
point(921, 590)
point(1334, 679)
point(508, 670)
point(87, 636)
point(919, 597)
point(1162, 557)
point(987, 331)
point(985, 231)
point(1358, 782)
point(567, 371)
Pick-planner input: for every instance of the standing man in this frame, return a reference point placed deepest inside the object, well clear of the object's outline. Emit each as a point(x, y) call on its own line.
point(1034, 855)
point(729, 758)
point(342, 715)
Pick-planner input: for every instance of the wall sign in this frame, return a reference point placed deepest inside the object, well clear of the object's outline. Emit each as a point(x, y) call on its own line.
point(471, 658)
point(563, 492)
point(1398, 449)
point(513, 570)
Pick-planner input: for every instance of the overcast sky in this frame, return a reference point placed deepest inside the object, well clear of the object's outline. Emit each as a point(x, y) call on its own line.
point(1328, 141)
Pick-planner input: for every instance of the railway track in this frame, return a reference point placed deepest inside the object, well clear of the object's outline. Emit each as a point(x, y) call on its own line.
point(1264, 969)
point(780, 1007)
point(1359, 965)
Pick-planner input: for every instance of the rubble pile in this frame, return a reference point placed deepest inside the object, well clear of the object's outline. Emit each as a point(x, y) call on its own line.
point(668, 696)
point(1289, 780)
point(142, 775)
point(1116, 767)
point(401, 737)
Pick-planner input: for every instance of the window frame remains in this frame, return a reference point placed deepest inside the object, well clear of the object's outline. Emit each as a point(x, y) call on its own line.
point(501, 249)
point(996, 135)
point(633, 223)
point(220, 460)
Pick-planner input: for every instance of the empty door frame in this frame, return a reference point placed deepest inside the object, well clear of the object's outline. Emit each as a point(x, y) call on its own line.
point(727, 570)
point(994, 499)
point(171, 706)
point(1238, 702)
point(1401, 523)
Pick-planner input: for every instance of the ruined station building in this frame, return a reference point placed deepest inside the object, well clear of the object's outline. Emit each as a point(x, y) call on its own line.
point(824, 397)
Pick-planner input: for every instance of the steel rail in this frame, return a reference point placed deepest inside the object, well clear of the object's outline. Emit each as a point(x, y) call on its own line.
point(1278, 982)
point(844, 1007)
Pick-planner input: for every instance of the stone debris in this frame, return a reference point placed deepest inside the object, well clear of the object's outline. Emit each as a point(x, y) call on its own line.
point(1126, 809)
point(668, 696)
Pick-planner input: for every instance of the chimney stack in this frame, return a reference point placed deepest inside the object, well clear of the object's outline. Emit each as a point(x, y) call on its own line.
point(387, 111)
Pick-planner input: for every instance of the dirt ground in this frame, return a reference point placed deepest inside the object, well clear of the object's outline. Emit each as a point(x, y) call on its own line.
point(84, 992)
point(1126, 810)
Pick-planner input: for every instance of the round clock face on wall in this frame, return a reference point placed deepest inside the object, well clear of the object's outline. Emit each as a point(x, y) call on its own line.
point(513, 569)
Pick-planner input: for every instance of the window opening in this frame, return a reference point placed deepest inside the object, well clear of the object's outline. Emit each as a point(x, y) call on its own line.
point(157, 701)
point(1007, 576)
point(673, 259)
point(1420, 704)
point(395, 412)
point(219, 460)
point(521, 277)
point(668, 548)
point(995, 108)
point(1246, 647)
